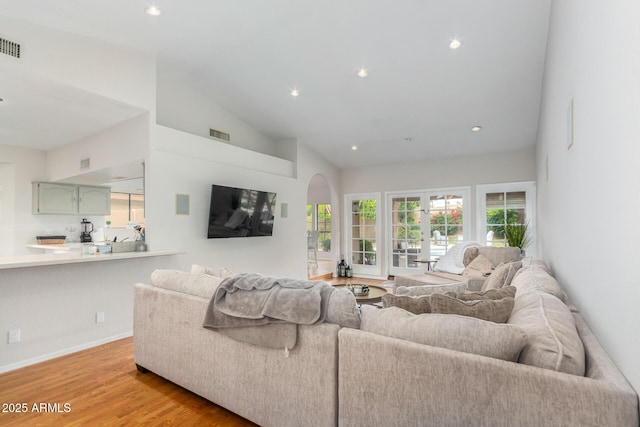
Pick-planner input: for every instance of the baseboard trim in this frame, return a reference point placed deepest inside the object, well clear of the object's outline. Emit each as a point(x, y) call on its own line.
point(64, 352)
point(326, 276)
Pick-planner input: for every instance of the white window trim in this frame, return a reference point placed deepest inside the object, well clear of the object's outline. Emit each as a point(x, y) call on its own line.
point(465, 191)
point(529, 187)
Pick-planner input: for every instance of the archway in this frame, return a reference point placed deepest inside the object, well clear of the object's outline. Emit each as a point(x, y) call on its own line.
point(320, 248)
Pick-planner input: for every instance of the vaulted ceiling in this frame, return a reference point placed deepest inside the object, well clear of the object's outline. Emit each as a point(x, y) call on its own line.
point(419, 99)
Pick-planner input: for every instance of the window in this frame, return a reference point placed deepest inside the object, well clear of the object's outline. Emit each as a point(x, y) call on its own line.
point(502, 204)
point(445, 221)
point(503, 208)
point(323, 225)
point(126, 207)
point(319, 218)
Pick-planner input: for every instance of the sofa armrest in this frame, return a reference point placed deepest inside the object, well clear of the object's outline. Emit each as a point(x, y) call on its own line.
point(412, 384)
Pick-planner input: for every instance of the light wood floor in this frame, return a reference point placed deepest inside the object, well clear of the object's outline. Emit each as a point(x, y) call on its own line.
point(102, 387)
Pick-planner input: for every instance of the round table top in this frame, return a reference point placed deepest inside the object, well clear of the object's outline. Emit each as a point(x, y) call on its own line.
point(374, 295)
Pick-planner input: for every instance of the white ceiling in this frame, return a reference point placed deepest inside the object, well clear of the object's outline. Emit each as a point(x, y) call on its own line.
point(248, 54)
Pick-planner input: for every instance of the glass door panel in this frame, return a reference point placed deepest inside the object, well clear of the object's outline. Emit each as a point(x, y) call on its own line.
point(364, 232)
point(407, 234)
point(445, 222)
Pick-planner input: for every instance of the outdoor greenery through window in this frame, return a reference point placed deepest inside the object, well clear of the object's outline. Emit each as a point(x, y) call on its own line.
point(504, 208)
point(126, 207)
point(363, 232)
point(319, 218)
point(406, 230)
point(445, 221)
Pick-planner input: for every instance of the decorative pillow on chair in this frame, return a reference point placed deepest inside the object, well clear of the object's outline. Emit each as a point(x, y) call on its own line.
point(493, 294)
point(480, 266)
point(502, 275)
point(415, 305)
point(497, 311)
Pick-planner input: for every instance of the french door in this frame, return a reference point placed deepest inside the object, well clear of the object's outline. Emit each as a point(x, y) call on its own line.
point(423, 226)
point(363, 236)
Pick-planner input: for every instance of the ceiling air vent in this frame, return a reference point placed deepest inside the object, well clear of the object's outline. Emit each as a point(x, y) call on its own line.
point(219, 135)
point(9, 48)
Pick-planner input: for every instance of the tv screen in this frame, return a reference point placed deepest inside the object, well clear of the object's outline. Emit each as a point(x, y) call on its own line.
point(239, 212)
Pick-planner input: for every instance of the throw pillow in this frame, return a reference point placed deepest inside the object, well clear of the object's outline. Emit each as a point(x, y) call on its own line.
point(497, 311)
point(469, 255)
point(343, 309)
point(554, 342)
point(225, 272)
point(480, 266)
point(466, 334)
point(494, 294)
point(502, 275)
point(415, 305)
point(415, 291)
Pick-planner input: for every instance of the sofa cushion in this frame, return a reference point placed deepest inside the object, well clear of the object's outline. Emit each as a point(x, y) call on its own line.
point(553, 341)
point(494, 294)
point(460, 333)
point(537, 279)
point(343, 309)
point(502, 275)
point(415, 305)
point(480, 266)
point(431, 289)
point(497, 311)
point(469, 255)
point(500, 255)
point(202, 285)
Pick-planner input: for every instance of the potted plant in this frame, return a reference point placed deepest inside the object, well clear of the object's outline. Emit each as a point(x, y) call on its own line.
point(517, 235)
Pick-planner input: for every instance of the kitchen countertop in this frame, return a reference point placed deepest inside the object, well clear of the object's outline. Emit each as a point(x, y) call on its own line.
point(74, 256)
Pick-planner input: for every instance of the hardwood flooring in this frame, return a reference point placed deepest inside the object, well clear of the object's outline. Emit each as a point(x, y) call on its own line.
point(102, 387)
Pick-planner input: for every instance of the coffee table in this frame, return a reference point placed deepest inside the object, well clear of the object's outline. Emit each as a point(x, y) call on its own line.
point(374, 295)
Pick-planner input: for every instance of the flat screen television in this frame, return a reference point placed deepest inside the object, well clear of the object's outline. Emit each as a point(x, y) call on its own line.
point(240, 212)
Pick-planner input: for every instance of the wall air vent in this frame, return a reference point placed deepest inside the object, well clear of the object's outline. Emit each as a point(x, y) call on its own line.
point(219, 135)
point(85, 163)
point(9, 48)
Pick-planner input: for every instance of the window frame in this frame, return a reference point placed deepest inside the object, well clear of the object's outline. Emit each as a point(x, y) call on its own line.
point(528, 187)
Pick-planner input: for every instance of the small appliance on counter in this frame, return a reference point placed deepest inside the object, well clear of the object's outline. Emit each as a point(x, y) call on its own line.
point(87, 228)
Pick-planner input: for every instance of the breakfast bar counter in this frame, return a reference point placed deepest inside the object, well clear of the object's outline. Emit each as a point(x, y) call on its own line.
point(73, 257)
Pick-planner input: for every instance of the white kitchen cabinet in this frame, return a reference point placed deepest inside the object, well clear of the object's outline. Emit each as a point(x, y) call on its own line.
point(94, 200)
point(70, 199)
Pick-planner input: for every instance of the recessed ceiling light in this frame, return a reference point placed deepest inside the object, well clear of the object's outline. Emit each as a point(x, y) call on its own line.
point(476, 129)
point(455, 44)
point(153, 11)
point(294, 92)
point(1, 100)
point(408, 139)
point(354, 147)
point(363, 73)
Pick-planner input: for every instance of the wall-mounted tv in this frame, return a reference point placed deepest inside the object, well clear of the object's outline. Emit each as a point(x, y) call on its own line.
point(240, 212)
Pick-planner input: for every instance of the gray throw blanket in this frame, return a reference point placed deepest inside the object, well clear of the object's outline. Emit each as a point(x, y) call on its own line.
point(252, 300)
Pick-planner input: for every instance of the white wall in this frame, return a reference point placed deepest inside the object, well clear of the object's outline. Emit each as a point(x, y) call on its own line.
point(587, 207)
point(103, 68)
point(514, 166)
point(125, 142)
point(182, 107)
point(55, 306)
point(188, 164)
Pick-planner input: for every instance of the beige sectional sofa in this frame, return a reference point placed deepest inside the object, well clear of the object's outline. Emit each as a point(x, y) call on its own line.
point(542, 367)
point(469, 278)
